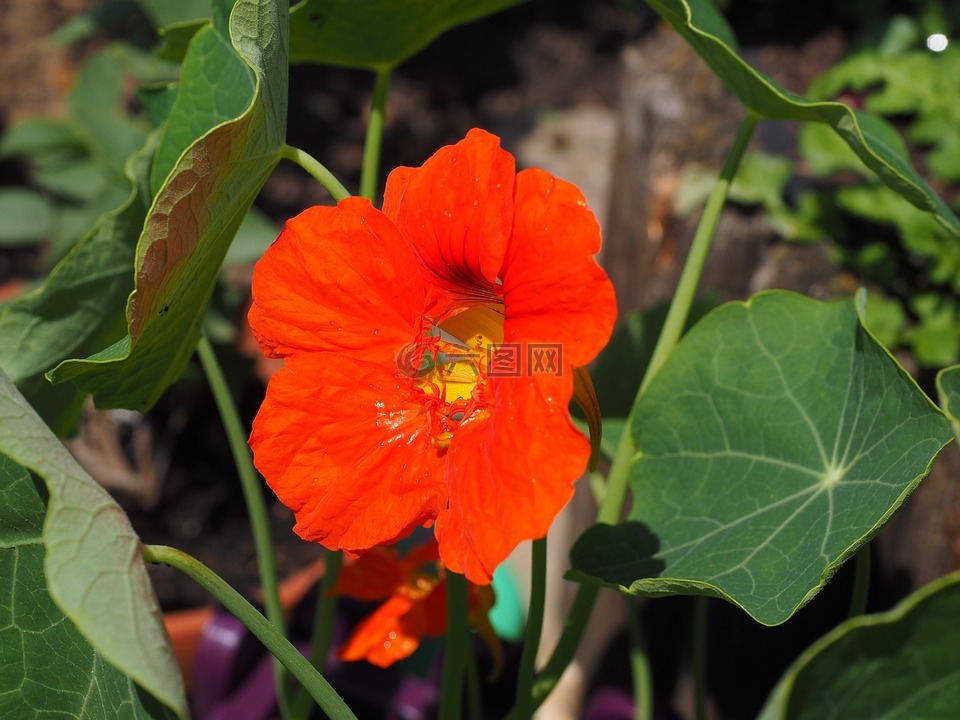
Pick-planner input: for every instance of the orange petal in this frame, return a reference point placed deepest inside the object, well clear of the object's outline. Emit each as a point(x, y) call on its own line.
point(509, 475)
point(457, 209)
point(344, 446)
point(383, 637)
point(375, 575)
point(554, 290)
point(338, 279)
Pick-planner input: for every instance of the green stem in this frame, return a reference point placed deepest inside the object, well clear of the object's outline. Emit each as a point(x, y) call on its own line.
point(455, 648)
point(474, 691)
point(318, 171)
point(538, 591)
point(639, 664)
point(253, 496)
point(618, 479)
point(265, 631)
point(323, 620)
point(370, 172)
point(697, 258)
point(861, 582)
point(700, 610)
point(566, 647)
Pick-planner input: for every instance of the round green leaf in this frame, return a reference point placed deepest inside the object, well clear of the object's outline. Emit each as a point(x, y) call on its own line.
point(778, 438)
point(899, 665)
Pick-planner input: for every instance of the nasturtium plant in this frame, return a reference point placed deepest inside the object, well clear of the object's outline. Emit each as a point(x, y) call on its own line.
point(197, 210)
point(426, 346)
point(777, 439)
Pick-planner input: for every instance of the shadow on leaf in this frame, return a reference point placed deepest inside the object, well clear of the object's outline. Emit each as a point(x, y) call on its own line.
point(616, 554)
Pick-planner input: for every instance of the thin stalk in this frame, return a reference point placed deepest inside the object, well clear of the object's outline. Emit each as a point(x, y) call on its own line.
point(264, 630)
point(370, 171)
point(617, 481)
point(323, 620)
point(566, 647)
point(639, 664)
point(474, 691)
point(318, 171)
point(523, 708)
point(700, 617)
point(256, 507)
point(455, 648)
point(861, 582)
point(699, 250)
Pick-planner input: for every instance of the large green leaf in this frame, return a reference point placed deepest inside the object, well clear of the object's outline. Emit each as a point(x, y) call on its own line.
point(620, 367)
point(873, 140)
point(79, 307)
point(903, 664)
point(193, 220)
point(89, 563)
point(778, 438)
point(377, 33)
point(216, 85)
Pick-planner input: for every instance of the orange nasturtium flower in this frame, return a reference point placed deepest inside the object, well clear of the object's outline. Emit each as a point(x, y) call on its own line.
point(429, 357)
point(414, 591)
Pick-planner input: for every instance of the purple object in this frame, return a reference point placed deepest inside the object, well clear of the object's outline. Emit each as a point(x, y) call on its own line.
point(215, 662)
point(414, 698)
point(255, 699)
point(610, 704)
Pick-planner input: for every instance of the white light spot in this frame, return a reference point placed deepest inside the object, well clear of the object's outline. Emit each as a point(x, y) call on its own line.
point(937, 42)
point(476, 202)
point(832, 476)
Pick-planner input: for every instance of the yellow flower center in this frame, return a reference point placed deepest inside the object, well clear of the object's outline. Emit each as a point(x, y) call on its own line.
point(453, 375)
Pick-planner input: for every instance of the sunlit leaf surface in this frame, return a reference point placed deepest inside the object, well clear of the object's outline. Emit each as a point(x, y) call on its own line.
point(778, 438)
